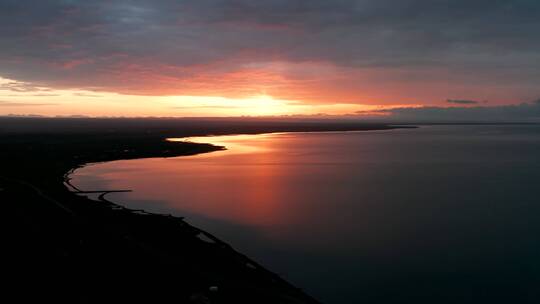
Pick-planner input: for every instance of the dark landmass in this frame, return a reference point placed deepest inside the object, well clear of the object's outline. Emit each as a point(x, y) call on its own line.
point(65, 247)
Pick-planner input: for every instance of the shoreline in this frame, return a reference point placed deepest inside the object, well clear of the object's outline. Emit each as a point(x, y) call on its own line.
point(213, 239)
point(92, 231)
point(212, 148)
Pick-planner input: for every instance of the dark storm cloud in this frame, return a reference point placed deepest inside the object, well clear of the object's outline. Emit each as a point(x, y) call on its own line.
point(524, 112)
point(123, 44)
point(462, 101)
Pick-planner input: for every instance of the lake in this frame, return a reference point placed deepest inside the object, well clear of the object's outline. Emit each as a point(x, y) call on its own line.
point(438, 214)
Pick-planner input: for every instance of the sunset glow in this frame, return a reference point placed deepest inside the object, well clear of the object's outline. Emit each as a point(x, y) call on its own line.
point(52, 102)
point(230, 58)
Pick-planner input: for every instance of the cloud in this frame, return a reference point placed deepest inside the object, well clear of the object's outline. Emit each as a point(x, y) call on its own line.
point(24, 104)
point(523, 112)
point(23, 115)
point(43, 95)
point(240, 47)
point(23, 87)
point(462, 101)
point(87, 95)
point(204, 107)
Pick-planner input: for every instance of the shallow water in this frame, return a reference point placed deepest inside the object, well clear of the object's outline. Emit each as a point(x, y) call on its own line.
point(439, 214)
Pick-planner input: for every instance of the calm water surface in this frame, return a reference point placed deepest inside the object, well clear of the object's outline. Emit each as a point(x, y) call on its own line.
point(441, 214)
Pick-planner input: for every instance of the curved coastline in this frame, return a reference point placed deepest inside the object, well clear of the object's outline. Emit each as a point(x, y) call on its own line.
point(206, 147)
point(91, 231)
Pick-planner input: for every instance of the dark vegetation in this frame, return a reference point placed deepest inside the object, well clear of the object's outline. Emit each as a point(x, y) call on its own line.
point(65, 247)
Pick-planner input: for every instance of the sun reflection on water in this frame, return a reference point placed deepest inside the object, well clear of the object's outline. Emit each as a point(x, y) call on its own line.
point(235, 144)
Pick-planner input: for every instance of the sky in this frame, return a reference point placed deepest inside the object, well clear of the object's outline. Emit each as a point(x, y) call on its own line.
point(383, 58)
